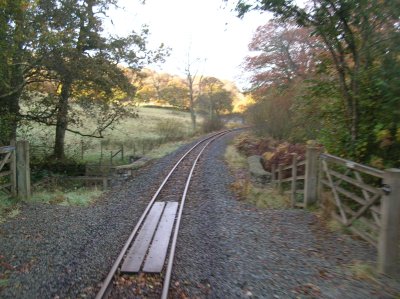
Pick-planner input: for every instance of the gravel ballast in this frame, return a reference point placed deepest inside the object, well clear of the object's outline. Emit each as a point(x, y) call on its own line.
point(226, 248)
point(51, 251)
point(230, 249)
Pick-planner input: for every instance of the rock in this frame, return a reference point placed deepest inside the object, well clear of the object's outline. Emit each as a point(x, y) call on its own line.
point(258, 174)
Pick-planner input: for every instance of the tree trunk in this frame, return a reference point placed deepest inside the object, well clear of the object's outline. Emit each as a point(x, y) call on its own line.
point(193, 117)
point(13, 80)
point(14, 115)
point(62, 120)
point(9, 119)
point(191, 108)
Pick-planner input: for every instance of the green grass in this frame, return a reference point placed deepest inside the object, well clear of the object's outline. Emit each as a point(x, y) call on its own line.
point(137, 135)
point(363, 270)
point(9, 208)
point(79, 197)
point(234, 158)
point(266, 198)
point(164, 149)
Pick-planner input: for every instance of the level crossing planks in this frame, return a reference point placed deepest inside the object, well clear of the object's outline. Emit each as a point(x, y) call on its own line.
point(137, 252)
point(151, 243)
point(159, 247)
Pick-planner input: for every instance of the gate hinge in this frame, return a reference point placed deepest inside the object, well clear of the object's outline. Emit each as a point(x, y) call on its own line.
point(386, 189)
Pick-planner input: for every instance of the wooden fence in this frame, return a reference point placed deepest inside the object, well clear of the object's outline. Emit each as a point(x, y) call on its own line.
point(292, 175)
point(364, 199)
point(15, 170)
point(8, 171)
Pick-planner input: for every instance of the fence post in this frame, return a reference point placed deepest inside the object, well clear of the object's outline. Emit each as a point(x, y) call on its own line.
point(280, 177)
point(294, 180)
point(388, 245)
point(273, 175)
point(23, 170)
point(13, 168)
point(311, 175)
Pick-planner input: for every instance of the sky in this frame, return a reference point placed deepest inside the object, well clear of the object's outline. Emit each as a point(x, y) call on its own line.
point(206, 31)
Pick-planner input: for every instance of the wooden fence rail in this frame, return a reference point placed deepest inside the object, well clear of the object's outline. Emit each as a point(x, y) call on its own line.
point(280, 176)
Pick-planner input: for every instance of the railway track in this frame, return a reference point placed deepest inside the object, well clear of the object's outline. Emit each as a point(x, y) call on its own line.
point(146, 259)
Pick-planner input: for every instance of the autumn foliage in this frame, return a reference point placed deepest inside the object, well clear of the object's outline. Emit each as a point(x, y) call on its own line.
point(272, 152)
point(327, 70)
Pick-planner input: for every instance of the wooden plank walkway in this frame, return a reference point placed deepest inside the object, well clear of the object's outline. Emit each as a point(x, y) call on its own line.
point(152, 240)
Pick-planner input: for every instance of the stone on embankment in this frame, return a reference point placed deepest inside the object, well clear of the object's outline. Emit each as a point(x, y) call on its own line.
point(258, 174)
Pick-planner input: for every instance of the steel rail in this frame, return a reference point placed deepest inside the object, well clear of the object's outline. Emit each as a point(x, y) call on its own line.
point(105, 288)
point(167, 277)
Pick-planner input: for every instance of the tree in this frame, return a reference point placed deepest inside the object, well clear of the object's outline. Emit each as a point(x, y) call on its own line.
point(191, 80)
point(284, 53)
point(286, 56)
point(361, 37)
point(84, 62)
point(18, 64)
point(214, 97)
point(176, 93)
point(163, 88)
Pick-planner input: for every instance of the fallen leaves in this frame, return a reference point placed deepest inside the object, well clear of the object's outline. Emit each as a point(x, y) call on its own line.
point(308, 289)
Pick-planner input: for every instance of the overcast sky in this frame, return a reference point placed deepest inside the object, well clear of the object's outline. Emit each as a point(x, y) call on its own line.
point(206, 29)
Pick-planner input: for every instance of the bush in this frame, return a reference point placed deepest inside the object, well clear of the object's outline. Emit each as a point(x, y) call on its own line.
point(211, 125)
point(283, 154)
point(249, 145)
point(272, 152)
point(170, 129)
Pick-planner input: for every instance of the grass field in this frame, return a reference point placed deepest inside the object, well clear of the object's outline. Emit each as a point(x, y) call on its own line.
point(136, 136)
point(155, 133)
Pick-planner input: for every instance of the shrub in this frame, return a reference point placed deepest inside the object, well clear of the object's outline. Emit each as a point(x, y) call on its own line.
point(283, 154)
point(170, 129)
point(250, 145)
point(211, 125)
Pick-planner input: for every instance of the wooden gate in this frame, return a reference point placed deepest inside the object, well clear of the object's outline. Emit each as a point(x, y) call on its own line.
point(8, 173)
point(355, 192)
